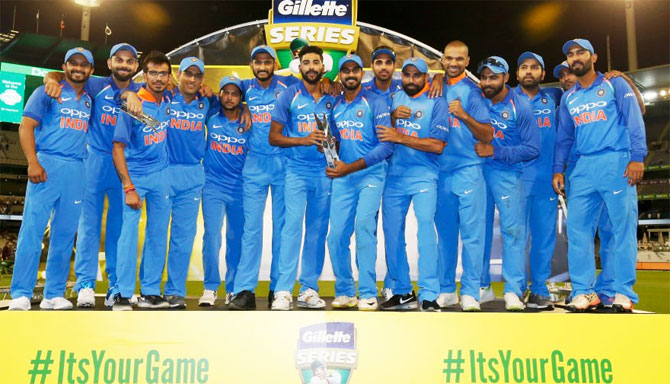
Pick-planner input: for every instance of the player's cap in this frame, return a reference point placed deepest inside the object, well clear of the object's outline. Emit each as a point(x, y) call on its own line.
point(417, 62)
point(191, 61)
point(122, 47)
point(495, 63)
point(559, 68)
point(297, 44)
point(230, 80)
point(263, 49)
point(383, 51)
point(530, 55)
point(350, 58)
point(79, 51)
point(581, 42)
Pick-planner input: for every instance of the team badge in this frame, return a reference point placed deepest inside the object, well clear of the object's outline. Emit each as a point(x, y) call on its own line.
point(88, 105)
point(329, 105)
point(193, 60)
point(201, 105)
point(359, 113)
point(601, 92)
point(167, 110)
point(505, 115)
point(418, 114)
point(240, 129)
point(544, 100)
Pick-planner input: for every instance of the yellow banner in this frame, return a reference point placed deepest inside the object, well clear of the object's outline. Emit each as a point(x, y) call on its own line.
point(332, 347)
point(327, 36)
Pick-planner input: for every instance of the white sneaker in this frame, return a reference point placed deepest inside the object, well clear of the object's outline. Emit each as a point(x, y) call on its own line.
point(387, 293)
point(57, 303)
point(513, 303)
point(469, 304)
point(229, 297)
point(486, 295)
point(447, 299)
point(86, 298)
point(20, 304)
point(283, 301)
point(622, 303)
point(208, 298)
point(309, 298)
point(344, 302)
point(133, 300)
point(369, 304)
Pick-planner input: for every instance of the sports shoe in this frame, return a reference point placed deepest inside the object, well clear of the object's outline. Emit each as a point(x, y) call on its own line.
point(539, 302)
point(400, 302)
point(229, 297)
point(283, 301)
point(447, 299)
point(243, 301)
point(176, 302)
point(122, 304)
point(513, 303)
point(110, 298)
point(430, 306)
point(152, 302)
point(622, 303)
point(134, 300)
point(369, 304)
point(86, 298)
point(486, 294)
point(20, 304)
point(583, 302)
point(309, 298)
point(57, 304)
point(271, 298)
point(343, 302)
point(606, 302)
point(469, 304)
point(208, 298)
point(387, 293)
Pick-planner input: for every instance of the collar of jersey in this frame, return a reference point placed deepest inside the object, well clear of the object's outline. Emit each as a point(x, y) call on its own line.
point(539, 94)
point(506, 100)
point(425, 89)
point(66, 86)
point(455, 80)
point(178, 95)
point(599, 79)
point(306, 93)
point(146, 95)
point(273, 83)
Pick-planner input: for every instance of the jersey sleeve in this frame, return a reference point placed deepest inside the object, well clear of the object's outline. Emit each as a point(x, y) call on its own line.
point(632, 116)
point(123, 130)
point(529, 148)
point(381, 116)
point(94, 85)
point(37, 104)
point(281, 112)
point(439, 121)
point(565, 137)
point(477, 108)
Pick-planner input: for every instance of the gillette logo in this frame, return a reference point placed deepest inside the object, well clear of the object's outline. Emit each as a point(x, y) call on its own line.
point(308, 8)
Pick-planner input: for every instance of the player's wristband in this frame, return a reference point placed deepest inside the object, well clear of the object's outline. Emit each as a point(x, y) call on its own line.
point(128, 189)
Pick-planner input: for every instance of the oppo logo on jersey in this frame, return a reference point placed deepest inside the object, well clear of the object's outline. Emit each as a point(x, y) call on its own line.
point(582, 114)
point(261, 108)
point(109, 115)
point(587, 107)
point(402, 123)
point(542, 111)
point(75, 113)
point(261, 113)
point(308, 8)
point(498, 124)
point(186, 115)
point(349, 124)
point(112, 110)
point(227, 139)
point(155, 137)
point(160, 127)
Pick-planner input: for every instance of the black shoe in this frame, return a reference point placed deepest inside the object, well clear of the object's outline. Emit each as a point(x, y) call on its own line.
point(243, 301)
point(271, 298)
point(539, 302)
point(152, 302)
point(176, 302)
point(122, 304)
point(400, 302)
point(430, 306)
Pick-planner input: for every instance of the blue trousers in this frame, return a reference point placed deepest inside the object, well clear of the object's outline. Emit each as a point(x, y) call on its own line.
point(307, 199)
point(353, 209)
point(261, 173)
point(399, 192)
point(505, 191)
point(59, 200)
point(217, 204)
point(596, 181)
point(153, 189)
point(541, 213)
point(186, 182)
point(101, 180)
point(461, 208)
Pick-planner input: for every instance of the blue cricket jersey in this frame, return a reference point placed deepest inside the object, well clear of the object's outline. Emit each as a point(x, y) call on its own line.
point(461, 149)
point(186, 131)
point(146, 150)
point(603, 117)
point(396, 85)
point(430, 119)
point(295, 110)
point(226, 151)
point(62, 126)
point(515, 136)
point(356, 124)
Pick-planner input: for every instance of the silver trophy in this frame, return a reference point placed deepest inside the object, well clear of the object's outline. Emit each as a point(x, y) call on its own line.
point(329, 144)
point(142, 118)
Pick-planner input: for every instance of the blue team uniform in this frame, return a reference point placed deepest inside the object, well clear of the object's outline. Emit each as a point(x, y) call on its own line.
point(306, 190)
point(186, 177)
point(356, 197)
point(147, 159)
point(412, 177)
point(60, 143)
point(462, 190)
point(371, 86)
point(222, 197)
point(101, 180)
point(263, 170)
point(515, 140)
point(605, 125)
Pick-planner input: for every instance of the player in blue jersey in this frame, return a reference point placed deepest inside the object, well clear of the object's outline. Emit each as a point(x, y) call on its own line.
point(307, 188)
point(263, 171)
point(461, 185)
point(227, 143)
point(515, 141)
point(186, 176)
point(383, 68)
point(420, 135)
point(541, 200)
point(358, 182)
point(603, 121)
point(101, 179)
point(53, 139)
point(141, 160)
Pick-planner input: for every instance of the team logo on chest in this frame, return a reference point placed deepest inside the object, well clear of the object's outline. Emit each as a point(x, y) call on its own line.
point(329, 105)
point(418, 114)
point(359, 113)
point(201, 105)
point(505, 115)
point(88, 105)
point(544, 100)
point(601, 92)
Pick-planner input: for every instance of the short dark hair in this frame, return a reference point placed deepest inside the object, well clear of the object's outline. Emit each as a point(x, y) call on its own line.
point(310, 49)
point(155, 57)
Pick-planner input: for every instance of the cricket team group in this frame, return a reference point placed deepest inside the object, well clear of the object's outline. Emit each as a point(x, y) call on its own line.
point(452, 146)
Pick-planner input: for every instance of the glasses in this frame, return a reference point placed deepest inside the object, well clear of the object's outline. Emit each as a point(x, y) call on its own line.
point(490, 61)
point(158, 73)
point(189, 74)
